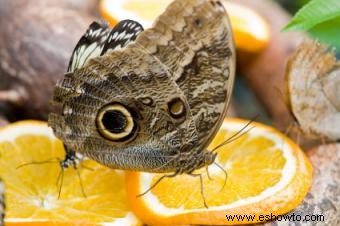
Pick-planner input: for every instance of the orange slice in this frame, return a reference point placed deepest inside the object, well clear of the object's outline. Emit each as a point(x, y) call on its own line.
point(250, 29)
point(31, 193)
point(267, 174)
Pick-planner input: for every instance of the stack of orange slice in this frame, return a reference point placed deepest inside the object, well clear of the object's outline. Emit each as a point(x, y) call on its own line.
point(267, 174)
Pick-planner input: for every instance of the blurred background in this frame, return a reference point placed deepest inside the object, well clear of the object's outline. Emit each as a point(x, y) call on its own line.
point(292, 6)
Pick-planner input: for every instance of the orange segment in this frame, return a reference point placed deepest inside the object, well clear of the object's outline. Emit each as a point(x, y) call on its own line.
point(267, 174)
point(251, 32)
point(32, 192)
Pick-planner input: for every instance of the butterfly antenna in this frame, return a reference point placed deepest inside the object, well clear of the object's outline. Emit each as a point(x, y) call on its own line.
point(157, 182)
point(236, 135)
point(52, 160)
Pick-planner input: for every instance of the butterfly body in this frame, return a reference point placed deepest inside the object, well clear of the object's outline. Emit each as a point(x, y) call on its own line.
point(156, 104)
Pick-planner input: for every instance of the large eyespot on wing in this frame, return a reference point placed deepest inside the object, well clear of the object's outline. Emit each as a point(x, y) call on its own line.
point(89, 46)
point(115, 122)
point(121, 35)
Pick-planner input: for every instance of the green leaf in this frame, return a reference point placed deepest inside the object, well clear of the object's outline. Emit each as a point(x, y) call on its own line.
point(328, 32)
point(314, 13)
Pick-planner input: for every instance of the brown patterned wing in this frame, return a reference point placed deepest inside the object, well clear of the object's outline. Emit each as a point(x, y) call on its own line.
point(313, 79)
point(193, 41)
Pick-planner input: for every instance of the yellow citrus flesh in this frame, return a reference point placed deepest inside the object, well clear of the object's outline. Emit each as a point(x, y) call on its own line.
point(251, 31)
point(267, 174)
point(32, 191)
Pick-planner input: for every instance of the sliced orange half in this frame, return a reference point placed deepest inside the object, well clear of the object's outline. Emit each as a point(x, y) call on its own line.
point(266, 174)
point(31, 191)
point(250, 29)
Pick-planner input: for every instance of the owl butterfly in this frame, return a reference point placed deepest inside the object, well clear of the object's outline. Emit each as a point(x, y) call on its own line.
point(155, 103)
point(313, 81)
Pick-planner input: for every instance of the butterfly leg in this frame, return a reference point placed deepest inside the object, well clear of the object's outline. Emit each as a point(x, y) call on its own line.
point(157, 182)
point(60, 180)
point(208, 174)
point(225, 173)
point(81, 185)
point(51, 160)
point(71, 159)
point(202, 188)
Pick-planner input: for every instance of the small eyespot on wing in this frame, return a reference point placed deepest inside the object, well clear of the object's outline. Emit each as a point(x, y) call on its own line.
point(89, 46)
point(121, 35)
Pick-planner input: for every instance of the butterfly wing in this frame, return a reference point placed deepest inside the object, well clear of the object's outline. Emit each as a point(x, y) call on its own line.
point(89, 46)
point(193, 41)
point(312, 81)
point(98, 40)
point(121, 35)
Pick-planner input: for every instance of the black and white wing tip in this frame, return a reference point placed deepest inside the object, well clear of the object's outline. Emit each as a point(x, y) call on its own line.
point(89, 46)
point(98, 40)
point(124, 33)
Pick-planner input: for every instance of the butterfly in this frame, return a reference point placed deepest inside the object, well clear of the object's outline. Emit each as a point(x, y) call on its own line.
point(313, 81)
point(149, 100)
